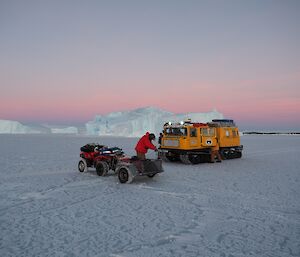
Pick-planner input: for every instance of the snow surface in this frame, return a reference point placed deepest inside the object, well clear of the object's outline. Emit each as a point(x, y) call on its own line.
point(134, 123)
point(243, 207)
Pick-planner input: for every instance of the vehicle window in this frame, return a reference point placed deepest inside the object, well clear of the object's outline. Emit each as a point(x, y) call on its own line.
point(208, 131)
point(235, 133)
point(183, 131)
point(193, 132)
point(176, 131)
point(227, 133)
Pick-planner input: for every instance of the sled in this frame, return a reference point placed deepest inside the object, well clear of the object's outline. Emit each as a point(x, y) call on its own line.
point(128, 169)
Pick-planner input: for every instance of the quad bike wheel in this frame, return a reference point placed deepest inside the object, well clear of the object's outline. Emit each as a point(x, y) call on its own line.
point(102, 168)
point(125, 175)
point(82, 166)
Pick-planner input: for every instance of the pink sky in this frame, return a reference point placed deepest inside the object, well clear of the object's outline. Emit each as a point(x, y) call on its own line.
point(240, 100)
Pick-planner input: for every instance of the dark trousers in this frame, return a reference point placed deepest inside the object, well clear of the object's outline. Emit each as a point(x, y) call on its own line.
point(140, 156)
point(215, 155)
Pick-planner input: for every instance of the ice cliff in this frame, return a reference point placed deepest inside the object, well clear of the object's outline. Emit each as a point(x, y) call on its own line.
point(67, 130)
point(132, 123)
point(14, 127)
point(136, 122)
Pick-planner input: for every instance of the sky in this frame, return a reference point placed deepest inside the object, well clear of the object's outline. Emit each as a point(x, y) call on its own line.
point(64, 61)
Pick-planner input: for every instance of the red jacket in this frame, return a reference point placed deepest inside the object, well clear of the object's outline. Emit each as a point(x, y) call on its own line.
point(144, 144)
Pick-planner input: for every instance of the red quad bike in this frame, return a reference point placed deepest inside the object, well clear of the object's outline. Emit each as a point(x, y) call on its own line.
point(104, 159)
point(100, 157)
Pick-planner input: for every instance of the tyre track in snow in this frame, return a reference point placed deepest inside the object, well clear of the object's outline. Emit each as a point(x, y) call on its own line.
point(171, 234)
point(23, 224)
point(30, 197)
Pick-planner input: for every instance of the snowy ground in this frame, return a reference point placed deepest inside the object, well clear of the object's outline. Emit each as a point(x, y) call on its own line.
point(243, 207)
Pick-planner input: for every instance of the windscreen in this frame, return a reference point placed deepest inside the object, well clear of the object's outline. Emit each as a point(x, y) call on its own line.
point(176, 131)
point(208, 131)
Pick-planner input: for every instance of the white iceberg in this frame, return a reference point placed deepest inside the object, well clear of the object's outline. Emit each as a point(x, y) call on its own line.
point(15, 127)
point(136, 122)
point(65, 130)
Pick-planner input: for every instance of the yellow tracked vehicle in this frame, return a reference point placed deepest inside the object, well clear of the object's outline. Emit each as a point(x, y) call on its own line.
point(192, 143)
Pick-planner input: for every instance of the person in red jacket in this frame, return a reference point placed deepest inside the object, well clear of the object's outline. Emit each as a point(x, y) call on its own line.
point(144, 144)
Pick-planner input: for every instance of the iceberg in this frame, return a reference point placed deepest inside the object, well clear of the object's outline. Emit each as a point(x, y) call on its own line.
point(136, 122)
point(133, 123)
point(15, 127)
point(66, 130)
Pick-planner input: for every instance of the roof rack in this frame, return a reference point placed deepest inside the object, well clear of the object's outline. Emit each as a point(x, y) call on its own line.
point(222, 123)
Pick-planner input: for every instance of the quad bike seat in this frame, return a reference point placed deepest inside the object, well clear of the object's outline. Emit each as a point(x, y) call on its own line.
point(91, 147)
